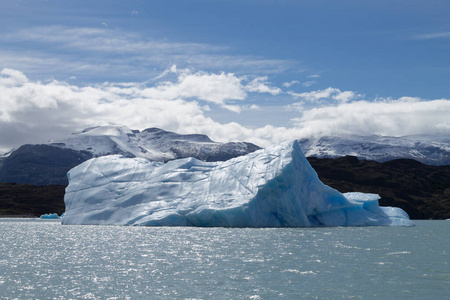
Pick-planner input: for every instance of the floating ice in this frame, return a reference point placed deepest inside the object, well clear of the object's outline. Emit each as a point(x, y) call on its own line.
point(50, 216)
point(272, 187)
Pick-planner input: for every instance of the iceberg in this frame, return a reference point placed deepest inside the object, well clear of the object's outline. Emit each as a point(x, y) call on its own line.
point(271, 187)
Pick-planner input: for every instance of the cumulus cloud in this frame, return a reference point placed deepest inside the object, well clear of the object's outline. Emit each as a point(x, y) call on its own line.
point(220, 89)
point(34, 112)
point(215, 88)
point(10, 77)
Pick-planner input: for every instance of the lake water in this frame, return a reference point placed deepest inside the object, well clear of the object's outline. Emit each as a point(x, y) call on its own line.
point(45, 260)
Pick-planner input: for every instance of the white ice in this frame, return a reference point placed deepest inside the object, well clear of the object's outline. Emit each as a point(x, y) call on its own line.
point(272, 187)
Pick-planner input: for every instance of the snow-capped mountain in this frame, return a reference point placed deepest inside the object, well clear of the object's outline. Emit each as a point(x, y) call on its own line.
point(431, 150)
point(153, 143)
point(48, 163)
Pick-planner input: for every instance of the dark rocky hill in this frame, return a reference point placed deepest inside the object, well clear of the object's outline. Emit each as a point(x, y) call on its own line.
point(30, 200)
point(40, 164)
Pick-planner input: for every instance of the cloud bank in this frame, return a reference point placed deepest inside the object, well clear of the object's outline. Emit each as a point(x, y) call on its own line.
point(391, 117)
point(35, 111)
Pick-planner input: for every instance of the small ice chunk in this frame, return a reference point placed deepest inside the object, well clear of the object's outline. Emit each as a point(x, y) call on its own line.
point(50, 216)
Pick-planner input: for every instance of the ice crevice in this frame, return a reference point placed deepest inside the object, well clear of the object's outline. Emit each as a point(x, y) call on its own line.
point(272, 187)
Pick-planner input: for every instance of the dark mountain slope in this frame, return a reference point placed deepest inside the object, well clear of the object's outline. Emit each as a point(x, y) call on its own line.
point(40, 164)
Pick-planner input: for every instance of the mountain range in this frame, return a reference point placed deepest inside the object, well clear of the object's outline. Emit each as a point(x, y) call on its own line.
point(431, 150)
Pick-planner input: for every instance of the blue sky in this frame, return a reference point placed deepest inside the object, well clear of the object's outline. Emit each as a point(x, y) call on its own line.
point(256, 70)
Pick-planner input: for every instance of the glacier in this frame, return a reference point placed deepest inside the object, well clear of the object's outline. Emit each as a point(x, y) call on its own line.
point(271, 187)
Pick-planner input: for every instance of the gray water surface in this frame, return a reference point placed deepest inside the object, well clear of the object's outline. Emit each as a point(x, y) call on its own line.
point(45, 260)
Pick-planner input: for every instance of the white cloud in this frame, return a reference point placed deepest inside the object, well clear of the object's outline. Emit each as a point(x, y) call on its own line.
point(260, 85)
point(290, 83)
point(309, 83)
point(345, 96)
point(10, 77)
point(215, 88)
point(404, 116)
point(326, 94)
point(220, 89)
point(34, 112)
point(314, 76)
point(435, 35)
point(102, 39)
point(173, 69)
